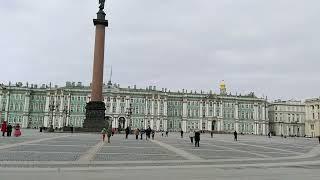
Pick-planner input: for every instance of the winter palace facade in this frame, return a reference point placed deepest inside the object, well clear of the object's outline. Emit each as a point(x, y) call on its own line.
point(33, 106)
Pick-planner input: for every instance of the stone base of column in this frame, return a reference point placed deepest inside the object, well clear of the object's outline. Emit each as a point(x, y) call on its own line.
point(95, 117)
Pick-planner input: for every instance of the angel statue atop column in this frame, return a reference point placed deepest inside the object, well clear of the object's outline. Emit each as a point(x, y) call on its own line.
point(101, 2)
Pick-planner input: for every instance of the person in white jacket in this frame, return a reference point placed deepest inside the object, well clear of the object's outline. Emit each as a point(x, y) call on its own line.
point(191, 135)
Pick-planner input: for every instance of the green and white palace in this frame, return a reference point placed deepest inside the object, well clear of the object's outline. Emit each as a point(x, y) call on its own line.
point(33, 106)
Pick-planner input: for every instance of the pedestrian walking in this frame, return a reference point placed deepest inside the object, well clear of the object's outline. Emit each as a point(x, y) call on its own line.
point(9, 130)
point(235, 134)
point(197, 139)
point(127, 132)
point(104, 132)
point(148, 132)
point(136, 132)
point(112, 132)
point(17, 131)
point(109, 133)
point(162, 133)
point(4, 127)
point(191, 135)
point(141, 134)
point(211, 134)
point(167, 133)
point(153, 134)
point(269, 134)
point(319, 139)
point(181, 132)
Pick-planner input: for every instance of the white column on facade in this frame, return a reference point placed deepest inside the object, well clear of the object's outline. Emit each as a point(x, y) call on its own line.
point(157, 124)
point(209, 126)
point(184, 108)
point(25, 119)
point(6, 115)
point(126, 123)
point(118, 104)
point(165, 108)
point(46, 110)
point(215, 109)
point(184, 126)
point(1, 96)
point(221, 116)
point(201, 112)
point(116, 122)
point(158, 113)
point(55, 112)
point(113, 124)
point(207, 109)
point(152, 107)
point(236, 111)
point(111, 105)
point(255, 112)
point(69, 109)
point(146, 107)
point(263, 113)
point(221, 109)
point(61, 113)
point(165, 124)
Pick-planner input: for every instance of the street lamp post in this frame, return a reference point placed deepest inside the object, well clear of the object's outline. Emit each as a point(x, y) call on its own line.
point(66, 111)
point(129, 113)
point(52, 108)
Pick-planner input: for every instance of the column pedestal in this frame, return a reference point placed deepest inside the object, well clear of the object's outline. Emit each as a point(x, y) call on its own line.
point(95, 117)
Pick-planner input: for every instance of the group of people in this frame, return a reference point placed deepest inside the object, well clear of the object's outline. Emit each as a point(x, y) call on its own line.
point(107, 132)
point(194, 135)
point(7, 129)
point(149, 133)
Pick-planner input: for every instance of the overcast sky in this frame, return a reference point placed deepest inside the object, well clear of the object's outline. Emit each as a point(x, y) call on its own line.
point(270, 47)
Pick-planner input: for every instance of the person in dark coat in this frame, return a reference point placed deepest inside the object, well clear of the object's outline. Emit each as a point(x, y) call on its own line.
point(181, 132)
point(235, 134)
point(148, 132)
point(141, 134)
point(9, 130)
point(167, 133)
point(319, 139)
point(153, 134)
point(211, 134)
point(197, 139)
point(127, 132)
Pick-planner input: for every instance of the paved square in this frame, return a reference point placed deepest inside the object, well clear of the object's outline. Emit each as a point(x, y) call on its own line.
point(36, 151)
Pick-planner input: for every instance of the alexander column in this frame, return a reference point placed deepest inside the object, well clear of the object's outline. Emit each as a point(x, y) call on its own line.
point(95, 109)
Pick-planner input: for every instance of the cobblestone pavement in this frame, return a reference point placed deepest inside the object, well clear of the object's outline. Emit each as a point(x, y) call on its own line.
point(86, 152)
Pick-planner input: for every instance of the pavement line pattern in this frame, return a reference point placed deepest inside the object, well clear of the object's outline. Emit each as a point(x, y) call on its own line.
point(129, 147)
point(180, 152)
point(30, 142)
point(233, 149)
point(91, 153)
point(259, 146)
point(58, 145)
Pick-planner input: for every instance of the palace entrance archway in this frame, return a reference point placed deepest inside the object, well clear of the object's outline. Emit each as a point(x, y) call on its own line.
point(121, 124)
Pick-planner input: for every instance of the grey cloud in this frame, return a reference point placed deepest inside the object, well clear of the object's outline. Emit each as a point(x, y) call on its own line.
point(270, 47)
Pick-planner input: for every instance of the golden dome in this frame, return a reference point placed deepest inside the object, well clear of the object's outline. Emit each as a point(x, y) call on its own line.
point(222, 84)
